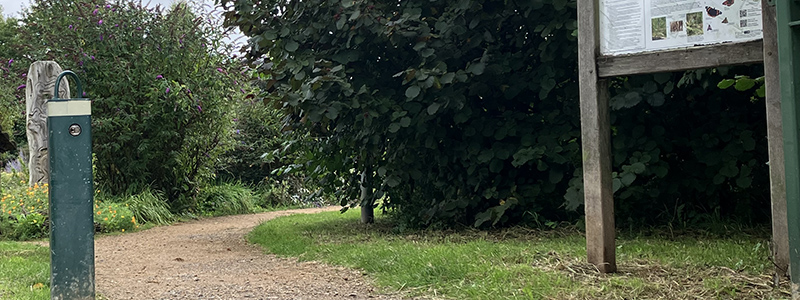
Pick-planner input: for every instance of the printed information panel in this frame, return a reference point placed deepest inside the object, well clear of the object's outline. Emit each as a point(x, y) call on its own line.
point(634, 26)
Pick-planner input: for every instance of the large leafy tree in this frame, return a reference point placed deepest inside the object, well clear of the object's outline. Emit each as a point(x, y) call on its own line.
point(466, 111)
point(162, 92)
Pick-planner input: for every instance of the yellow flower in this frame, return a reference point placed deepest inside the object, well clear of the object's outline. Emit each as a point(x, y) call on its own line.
point(99, 212)
point(105, 219)
point(123, 229)
point(34, 221)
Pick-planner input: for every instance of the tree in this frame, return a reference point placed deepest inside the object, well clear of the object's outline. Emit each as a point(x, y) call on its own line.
point(467, 111)
point(162, 91)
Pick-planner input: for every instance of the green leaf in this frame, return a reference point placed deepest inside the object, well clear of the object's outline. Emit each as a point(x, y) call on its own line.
point(638, 168)
point(433, 108)
point(412, 92)
point(393, 181)
point(476, 68)
point(447, 78)
point(656, 99)
point(485, 156)
point(726, 83)
point(394, 127)
point(662, 78)
point(292, 46)
point(616, 184)
point(628, 178)
point(405, 121)
point(744, 83)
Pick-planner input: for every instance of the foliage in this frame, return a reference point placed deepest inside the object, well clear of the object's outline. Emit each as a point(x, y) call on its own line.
point(686, 152)
point(467, 112)
point(25, 213)
point(520, 263)
point(226, 199)
point(12, 90)
point(162, 91)
point(257, 130)
point(113, 217)
point(149, 206)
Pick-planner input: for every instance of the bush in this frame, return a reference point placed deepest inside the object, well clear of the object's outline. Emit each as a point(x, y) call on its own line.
point(163, 90)
point(466, 112)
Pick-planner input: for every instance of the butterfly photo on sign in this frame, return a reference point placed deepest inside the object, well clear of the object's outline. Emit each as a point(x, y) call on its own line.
point(713, 12)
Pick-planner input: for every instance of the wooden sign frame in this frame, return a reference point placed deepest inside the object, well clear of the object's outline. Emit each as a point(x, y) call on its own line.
point(593, 73)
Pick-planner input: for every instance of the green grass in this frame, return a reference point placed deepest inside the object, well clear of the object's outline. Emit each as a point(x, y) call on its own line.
point(526, 264)
point(24, 271)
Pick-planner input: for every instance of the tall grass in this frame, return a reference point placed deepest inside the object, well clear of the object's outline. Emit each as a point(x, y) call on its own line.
point(150, 206)
point(227, 199)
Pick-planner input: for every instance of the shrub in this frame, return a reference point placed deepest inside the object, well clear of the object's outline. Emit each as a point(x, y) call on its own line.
point(162, 89)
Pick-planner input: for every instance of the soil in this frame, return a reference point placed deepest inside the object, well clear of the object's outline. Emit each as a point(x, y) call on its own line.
point(210, 259)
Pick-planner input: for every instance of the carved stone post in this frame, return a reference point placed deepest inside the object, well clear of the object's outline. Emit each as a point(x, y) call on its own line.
point(41, 82)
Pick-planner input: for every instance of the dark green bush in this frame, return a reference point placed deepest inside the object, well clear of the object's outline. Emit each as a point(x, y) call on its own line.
point(467, 112)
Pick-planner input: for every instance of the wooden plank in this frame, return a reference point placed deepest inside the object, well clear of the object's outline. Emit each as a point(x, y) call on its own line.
point(780, 229)
point(596, 134)
point(681, 59)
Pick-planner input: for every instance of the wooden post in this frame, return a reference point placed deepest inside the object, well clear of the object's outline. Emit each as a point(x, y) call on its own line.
point(595, 132)
point(780, 231)
point(41, 82)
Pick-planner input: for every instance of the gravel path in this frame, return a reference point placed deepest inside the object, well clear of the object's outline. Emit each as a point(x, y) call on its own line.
point(209, 259)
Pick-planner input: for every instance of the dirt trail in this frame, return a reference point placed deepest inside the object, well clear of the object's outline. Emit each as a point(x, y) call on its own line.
point(209, 259)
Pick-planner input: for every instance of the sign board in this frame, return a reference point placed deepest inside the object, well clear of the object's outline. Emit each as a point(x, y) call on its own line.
point(636, 26)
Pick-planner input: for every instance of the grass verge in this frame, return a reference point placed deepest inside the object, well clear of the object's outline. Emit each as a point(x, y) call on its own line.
point(24, 271)
point(527, 264)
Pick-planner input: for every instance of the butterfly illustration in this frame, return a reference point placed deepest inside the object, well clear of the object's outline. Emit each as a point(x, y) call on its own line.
point(712, 12)
point(728, 2)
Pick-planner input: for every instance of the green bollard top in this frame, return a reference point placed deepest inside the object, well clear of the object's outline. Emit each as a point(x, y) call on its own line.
point(58, 81)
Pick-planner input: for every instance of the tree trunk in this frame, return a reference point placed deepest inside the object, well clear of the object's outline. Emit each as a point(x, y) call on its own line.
point(41, 82)
point(367, 199)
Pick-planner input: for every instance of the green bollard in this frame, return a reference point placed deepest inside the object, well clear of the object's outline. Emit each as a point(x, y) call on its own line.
point(71, 196)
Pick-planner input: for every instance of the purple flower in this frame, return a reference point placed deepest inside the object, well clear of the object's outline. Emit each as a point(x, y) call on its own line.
point(100, 22)
point(10, 61)
point(236, 120)
point(108, 5)
point(92, 57)
point(116, 25)
point(83, 94)
point(167, 91)
point(199, 109)
point(237, 131)
point(70, 26)
point(159, 77)
point(21, 87)
point(101, 37)
point(221, 70)
point(242, 90)
point(138, 28)
point(24, 75)
point(94, 12)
